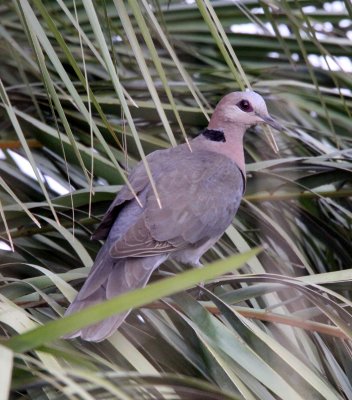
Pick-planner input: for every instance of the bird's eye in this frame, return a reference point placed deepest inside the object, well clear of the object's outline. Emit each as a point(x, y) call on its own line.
point(245, 106)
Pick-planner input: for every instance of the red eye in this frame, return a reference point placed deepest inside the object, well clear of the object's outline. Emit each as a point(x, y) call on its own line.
point(245, 106)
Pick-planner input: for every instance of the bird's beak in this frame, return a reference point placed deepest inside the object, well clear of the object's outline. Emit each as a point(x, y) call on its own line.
point(270, 121)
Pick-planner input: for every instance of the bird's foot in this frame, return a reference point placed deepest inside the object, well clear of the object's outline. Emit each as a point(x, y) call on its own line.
point(197, 264)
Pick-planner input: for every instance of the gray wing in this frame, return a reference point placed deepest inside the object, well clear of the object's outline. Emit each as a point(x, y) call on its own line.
point(200, 193)
point(139, 181)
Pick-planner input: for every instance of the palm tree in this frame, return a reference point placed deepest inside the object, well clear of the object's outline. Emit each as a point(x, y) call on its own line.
point(87, 89)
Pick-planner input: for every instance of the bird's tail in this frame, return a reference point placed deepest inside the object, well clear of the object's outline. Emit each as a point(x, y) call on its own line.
point(108, 279)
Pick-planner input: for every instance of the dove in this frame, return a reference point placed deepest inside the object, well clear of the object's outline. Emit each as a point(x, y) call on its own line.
point(200, 186)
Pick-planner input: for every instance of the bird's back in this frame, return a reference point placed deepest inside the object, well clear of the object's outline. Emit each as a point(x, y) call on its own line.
point(199, 182)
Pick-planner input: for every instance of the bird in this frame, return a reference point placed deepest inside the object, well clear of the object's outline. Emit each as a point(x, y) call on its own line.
point(200, 186)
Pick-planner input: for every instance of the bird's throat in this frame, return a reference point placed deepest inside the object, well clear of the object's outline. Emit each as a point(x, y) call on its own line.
point(215, 135)
point(227, 140)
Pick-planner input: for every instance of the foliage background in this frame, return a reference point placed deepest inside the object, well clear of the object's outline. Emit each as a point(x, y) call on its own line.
point(87, 89)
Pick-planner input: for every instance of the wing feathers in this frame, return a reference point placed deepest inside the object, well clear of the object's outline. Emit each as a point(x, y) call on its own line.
point(138, 242)
point(200, 192)
point(212, 181)
point(118, 277)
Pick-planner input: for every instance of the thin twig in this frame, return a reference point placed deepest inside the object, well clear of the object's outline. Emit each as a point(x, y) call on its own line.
point(15, 144)
point(261, 315)
point(258, 197)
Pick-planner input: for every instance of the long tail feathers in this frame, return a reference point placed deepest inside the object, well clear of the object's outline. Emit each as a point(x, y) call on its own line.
point(110, 278)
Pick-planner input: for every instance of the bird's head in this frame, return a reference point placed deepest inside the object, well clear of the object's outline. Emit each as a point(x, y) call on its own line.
point(242, 108)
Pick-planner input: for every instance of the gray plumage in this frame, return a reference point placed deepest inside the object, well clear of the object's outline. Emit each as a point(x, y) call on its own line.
point(200, 192)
